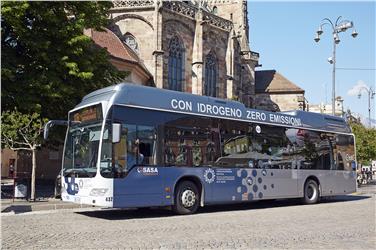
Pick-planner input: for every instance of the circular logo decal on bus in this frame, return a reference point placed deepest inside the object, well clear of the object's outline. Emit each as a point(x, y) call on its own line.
point(209, 175)
point(249, 181)
point(264, 173)
point(258, 129)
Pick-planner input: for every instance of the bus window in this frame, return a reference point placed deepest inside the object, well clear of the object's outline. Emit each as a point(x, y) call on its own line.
point(140, 150)
point(136, 147)
point(340, 164)
point(255, 146)
point(272, 147)
point(147, 144)
point(111, 164)
point(345, 152)
point(191, 142)
point(169, 153)
point(176, 146)
point(234, 144)
point(314, 150)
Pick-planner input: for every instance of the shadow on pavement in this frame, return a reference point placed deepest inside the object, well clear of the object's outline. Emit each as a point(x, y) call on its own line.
point(43, 190)
point(19, 206)
point(18, 209)
point(344, 198)
point(144, 213)
point(123, 214)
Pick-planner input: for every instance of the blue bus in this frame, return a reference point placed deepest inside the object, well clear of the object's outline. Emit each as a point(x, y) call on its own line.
point(131, 146)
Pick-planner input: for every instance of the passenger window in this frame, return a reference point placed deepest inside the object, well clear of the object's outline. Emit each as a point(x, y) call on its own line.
point(255, 146)
point(147, 144)
point(140, 146)
point(340, 164)
point(273, 148)
point(314, 150)
point(137, 146)
point(191, 142)
point(234, 144)
point(344, 146)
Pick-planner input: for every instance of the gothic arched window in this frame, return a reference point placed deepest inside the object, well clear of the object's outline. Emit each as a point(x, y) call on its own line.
point(211, 75)
point(130, 40)
point(176, 64)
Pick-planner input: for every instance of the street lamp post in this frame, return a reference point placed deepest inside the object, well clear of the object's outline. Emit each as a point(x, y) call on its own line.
point(337, 27)
point(371, 93)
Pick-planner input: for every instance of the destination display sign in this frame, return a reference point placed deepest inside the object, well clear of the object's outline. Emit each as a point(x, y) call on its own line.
point(234, 112)
point(88, 114)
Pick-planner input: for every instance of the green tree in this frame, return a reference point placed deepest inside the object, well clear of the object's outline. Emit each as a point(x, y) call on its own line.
point(365, 142)
point(48, 64)
point(22, 132)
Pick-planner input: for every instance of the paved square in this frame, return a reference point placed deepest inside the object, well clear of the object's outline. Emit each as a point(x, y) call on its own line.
point(342, 222)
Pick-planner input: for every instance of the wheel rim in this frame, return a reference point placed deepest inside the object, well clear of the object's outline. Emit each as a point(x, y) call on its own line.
point(188, 198)
point(311, 192)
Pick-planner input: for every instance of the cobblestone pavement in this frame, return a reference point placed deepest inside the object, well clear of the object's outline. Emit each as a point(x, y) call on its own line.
point(341, 223)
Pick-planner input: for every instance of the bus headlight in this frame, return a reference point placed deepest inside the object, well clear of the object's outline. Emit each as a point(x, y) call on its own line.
point(98, 191)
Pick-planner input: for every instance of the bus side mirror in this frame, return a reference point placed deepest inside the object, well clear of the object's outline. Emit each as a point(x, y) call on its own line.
point(50, 124)
point(47, 127)
point(116, 132)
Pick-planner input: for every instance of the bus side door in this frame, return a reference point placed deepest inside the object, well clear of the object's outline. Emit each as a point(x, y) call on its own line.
point(142, 187)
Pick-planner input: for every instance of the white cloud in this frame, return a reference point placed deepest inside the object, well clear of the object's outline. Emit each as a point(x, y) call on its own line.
point(358, 88)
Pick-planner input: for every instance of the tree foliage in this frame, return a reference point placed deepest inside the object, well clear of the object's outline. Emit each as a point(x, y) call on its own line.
point(21, 131)
point(48, 64)
point(365, 142)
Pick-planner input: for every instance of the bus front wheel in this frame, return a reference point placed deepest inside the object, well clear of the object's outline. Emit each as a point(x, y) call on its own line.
point(311, 192)
point(187, 198)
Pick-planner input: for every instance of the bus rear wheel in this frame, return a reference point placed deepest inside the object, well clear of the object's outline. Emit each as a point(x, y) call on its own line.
point(311, 192)
point(187, 198)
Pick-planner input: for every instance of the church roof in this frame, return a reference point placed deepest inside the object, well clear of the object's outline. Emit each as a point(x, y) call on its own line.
point(108, 40)
point(116, 48)
point(270, 81)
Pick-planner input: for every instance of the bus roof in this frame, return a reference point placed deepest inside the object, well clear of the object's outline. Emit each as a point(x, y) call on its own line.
point(167, 100)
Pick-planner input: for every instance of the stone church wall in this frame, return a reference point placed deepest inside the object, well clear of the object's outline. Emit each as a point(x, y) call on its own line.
point(288, 101)
point(237, 70)
point(184, 28)
point(140, 25)
point(225, 32)
point(216, 40)
point(280, 102)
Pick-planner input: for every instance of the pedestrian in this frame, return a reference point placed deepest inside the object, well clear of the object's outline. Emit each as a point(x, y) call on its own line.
point(11, 170)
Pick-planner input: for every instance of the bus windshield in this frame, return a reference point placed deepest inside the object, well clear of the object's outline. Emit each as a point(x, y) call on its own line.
point(82, 143)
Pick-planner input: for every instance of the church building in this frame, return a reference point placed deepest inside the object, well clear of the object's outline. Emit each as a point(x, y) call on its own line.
point(197, 46)
point(200, 47)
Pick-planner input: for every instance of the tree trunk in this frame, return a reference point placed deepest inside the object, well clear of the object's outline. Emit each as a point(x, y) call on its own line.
point(34, 165)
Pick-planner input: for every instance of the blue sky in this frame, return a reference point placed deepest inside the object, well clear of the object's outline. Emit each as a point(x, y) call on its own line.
point(283, 33)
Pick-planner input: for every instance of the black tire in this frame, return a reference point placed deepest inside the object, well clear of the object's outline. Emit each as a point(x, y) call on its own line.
point(187, 198)
point(311, 192)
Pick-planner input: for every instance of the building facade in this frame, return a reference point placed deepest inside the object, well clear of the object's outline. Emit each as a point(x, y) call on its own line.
point(19, 163)
point(326, 108)
point(274, 92)
point(200, 47)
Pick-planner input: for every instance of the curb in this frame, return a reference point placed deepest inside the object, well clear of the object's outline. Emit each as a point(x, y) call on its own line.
point(24, 208)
